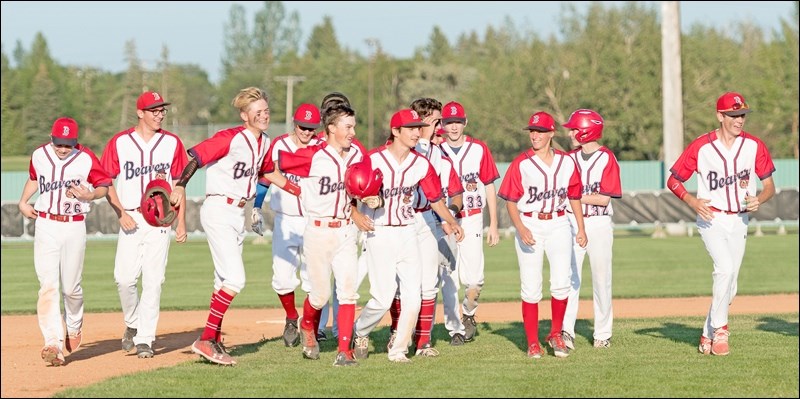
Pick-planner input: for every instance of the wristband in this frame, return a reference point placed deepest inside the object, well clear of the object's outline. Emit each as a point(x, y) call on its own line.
point(292, 188)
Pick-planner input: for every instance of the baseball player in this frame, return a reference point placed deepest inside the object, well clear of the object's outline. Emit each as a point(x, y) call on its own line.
point(67, 177)
point(234, 158)
point(392, 243)
point(329, 240)
point(477, 171)
point(290, 221)
point(600, 176)
point(429, 229)
point(537, 186)
point(727, 160)
point(135, 157)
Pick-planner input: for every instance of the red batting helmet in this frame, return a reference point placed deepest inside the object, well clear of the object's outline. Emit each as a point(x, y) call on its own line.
point(360, 180)
point(588, 123)
point(156, 208)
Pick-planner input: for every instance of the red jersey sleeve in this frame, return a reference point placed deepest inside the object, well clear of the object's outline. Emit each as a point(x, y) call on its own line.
point(454, 186)
point(299, 162)
point(687, 162)
point(98, 177)
point(511, 187)
point(575, 185)
point(488, 171)
point(431, 185)
point(610, 184)
point(764, 165)
point(214, 147)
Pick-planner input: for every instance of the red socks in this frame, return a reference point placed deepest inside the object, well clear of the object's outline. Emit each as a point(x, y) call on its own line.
point(310, 317)
point(557, 307)
point(394, 310)
point(530, 319)
point(287, 300)
point(345, 320)
point(425, 322)
point(220, 301)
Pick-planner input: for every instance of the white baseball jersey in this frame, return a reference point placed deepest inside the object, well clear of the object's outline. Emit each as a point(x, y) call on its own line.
point(537, 187)
point(725, 176)
point(235, 160)
point(322, 172)
point(281, 201)
point(134, 162)
point(402, 185)
point(55, 176)
point(475, 166)
point(600, 175)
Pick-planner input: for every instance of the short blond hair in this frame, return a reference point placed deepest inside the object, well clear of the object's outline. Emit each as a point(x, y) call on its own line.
point(248, 96)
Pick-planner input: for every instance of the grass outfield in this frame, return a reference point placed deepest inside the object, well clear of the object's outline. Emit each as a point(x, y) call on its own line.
point(649, 358)
point(643, 267)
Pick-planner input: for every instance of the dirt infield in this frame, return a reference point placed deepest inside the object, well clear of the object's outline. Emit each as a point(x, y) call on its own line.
point(24, 374)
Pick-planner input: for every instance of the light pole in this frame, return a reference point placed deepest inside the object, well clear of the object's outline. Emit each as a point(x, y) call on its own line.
point(289, 97)
point(373, 44)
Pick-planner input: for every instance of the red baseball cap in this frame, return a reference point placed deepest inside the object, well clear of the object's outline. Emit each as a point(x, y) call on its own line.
point(307, 116)
point(407, 118)
point(453, 112)
point(440, 131)
point(150, 100)
point(541, 122)
point(732, 104)
point(65, 132)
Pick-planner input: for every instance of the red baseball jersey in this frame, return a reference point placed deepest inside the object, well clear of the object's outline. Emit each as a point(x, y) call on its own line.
point(234, 157)
point(725, 176)
point(475, 167)
point(600, 175)
point(134, 162)
point(538, 187)
point(55, 176)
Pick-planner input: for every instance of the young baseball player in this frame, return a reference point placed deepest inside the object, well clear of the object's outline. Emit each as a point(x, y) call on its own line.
point(234, 159)
point(727, 160)
point(537, 187)
point(476, 169)
point(600, 177)
point(290, 221)
point(429, 229)
point(67, 177)
point(330, 236)
point(135, 157)
point(392, 245)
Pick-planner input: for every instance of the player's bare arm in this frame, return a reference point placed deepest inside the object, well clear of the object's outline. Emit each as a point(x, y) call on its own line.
point(753, 201)
point(523, 232)
point(180, 227)
point(595, 199)
point(126, 222)
point(27, 192)
point(580, 236)
point(493, 236)
point(700, 206)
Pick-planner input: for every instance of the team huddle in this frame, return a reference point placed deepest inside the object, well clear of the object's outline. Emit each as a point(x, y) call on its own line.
point(409, 215)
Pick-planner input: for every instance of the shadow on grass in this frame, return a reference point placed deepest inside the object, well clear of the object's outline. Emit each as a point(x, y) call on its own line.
point(515, 333)
point(778, 326)
point(675, 332)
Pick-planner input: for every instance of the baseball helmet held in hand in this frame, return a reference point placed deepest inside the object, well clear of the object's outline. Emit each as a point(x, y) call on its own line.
point(156, 208)
point(589, 124)
point(361, 181)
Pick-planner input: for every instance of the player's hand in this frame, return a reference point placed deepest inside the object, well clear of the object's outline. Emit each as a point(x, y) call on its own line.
point(526, 236)
point(493, 236)
point(177, 195)
point(751, 203)
point(126, 222)
point(27, 210)
point(701, 207)
point(454, 229)
point(426, 132)
point(80, 193)
point(373, 202)
point(363, 222)
point(258, 221)
point(580, 238)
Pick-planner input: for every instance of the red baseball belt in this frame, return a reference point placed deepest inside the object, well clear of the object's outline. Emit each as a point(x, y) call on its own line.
point(334, 224)
point(466, 213)
point(544, 215)
point(725, 212)
point(61, 218)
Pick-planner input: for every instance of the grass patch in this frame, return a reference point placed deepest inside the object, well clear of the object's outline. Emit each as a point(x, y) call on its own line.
point(648, 358)
point(643, 267)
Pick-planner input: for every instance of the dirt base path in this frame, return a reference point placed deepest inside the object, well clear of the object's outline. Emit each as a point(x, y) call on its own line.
point(24, 374)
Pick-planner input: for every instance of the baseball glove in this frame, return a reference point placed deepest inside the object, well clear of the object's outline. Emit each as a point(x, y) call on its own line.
point(258, 221)
point(155, 205)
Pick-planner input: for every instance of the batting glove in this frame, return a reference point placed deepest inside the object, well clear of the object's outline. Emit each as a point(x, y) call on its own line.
point(258, 221)
point(374, 202)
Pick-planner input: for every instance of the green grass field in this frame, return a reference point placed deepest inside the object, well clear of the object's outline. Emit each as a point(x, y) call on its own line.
point(649, 357)
point(643, 267)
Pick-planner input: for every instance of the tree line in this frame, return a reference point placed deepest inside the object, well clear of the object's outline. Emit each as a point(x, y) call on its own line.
point(606, 58)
